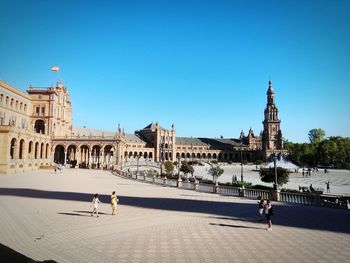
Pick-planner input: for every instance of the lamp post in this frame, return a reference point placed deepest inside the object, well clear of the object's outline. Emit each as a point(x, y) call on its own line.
point(241, 164)
point(161, 158)
point(127, 153)
point(275, 169)
point(192, 153)
point(137, 167)
point(117, 155)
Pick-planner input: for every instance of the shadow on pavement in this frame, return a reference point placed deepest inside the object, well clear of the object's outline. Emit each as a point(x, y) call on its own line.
point(308, 217)
point(9, 255)
point(237, 226)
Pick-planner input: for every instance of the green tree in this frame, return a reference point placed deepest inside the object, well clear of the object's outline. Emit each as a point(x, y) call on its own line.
point(267, 175)
point(316, 135)
point(168, 167)
point(151, 172)
point(186, 168)
point(215, 171)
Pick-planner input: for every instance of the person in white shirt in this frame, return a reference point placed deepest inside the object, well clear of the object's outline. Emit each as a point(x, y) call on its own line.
point(95, 202)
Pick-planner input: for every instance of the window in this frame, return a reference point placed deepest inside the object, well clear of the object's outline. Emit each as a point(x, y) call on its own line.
point(43, 111)
point(37, 110)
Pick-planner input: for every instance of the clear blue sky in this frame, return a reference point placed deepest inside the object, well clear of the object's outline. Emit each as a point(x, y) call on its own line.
point(203, 65)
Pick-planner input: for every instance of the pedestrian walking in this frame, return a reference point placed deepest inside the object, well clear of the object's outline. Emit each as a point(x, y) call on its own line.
point(114, 201)
point(269, 213)
point(328, 188)
point(95, 202)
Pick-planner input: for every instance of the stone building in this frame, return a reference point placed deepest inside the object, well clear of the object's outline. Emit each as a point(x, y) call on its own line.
point(36, 131)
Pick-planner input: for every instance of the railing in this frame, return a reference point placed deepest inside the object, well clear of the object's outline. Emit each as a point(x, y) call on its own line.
point(207, 188)
point(171, 182)
point(159, 181)
point(316, 199)
point(134, 162)
point(227, 190)
point(255, 193)
point(149, 179)
point(188, 185)
point(296, 198)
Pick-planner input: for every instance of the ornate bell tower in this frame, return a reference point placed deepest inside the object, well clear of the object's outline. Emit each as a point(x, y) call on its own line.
point(272, 136)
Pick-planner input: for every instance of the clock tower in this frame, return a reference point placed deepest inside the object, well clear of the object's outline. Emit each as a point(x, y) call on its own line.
point(272, 142)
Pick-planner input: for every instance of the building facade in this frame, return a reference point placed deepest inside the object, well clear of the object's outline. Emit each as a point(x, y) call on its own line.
point(36, 131)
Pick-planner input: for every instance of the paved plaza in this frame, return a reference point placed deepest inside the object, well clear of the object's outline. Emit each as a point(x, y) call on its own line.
point(46, 216)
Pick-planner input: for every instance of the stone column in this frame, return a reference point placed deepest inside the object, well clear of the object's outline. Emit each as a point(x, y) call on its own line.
point(65, 158)
point(275, 195)
point(78, 158)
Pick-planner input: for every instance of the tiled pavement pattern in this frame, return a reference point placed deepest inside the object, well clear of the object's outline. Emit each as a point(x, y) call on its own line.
point(45, 216)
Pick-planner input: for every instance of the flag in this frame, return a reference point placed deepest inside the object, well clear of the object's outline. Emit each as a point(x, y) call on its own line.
point(55, 68)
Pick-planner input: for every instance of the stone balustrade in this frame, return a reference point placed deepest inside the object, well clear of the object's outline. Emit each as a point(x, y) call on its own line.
point(315, 199)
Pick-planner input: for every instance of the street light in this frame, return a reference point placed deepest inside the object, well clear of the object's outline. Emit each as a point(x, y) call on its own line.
point(127, 153)
point(241, 164)
point(161, 158)
point(275, 168)
point(117, 155)
point(137, 167)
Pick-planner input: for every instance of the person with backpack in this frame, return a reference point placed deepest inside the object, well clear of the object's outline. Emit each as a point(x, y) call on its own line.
point(269, 213)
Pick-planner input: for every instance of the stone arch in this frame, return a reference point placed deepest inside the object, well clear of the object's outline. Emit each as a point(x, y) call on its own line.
point(231, 157)
point(145, 155)
point(30, 150)
point(150, 155)
point(209, 156)
point(166, 156)
point(47, 151)
point(188, 155)
point(183, 155)
point(13, 148)
point(39, 126)
point(21, 149)
point(135, 155)
point(41, 150)
point(36, 150)
point(220, 156)
point(198, 155)
point(248, 156)
point(72, 151)
point(59, 154)
point(84, 156)
point(177, 155)
point(108, 156)
point(95, 156)
point(215, 156)
point(204, 155)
